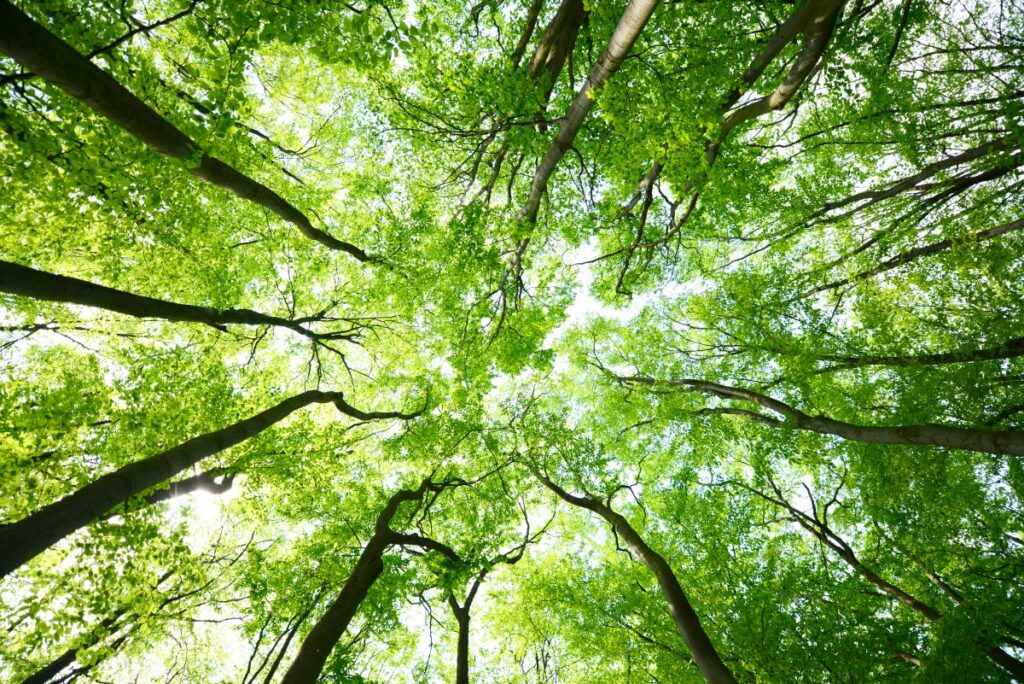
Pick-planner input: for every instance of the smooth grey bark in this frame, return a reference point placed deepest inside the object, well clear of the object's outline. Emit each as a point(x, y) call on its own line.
point(558, 40)
point(632, 22)
point(1000, 442)
point(703, 651)
point(38, 50)
point(23, 540)
point(815, 20)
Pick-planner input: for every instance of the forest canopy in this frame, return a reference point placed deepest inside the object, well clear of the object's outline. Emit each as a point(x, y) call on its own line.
point(511, 341)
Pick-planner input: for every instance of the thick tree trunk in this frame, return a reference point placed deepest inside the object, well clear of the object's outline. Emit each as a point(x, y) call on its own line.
point(23, 540)
point(206, 482)
point(462, 653)
point(558, 40)
point(28, 282)
point(38, 50)
point(320, 641)
point(705, 657)
point(1002, 442)
point(632, 22)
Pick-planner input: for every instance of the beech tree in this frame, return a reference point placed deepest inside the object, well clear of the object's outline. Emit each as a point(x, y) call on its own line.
point(511, 341)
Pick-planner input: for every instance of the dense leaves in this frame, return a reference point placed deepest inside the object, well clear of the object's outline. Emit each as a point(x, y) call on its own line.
point(617, 341)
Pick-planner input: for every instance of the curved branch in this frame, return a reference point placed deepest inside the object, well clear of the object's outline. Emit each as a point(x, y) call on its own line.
point(30, 44)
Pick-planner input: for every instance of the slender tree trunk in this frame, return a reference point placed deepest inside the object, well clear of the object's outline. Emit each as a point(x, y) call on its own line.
point(38, 50)
point(818, 18)
point(28, 282)
point(25, 539)
point(632, 22)
point(1002, 442)
point(320, 641)
point(705, 656)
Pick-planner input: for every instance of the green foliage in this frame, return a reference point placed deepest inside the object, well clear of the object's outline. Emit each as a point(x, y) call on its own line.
point(856, 253)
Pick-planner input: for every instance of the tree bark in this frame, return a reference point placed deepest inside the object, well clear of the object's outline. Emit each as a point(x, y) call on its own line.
point(462, 652)
point(632, 22)
point(1000, 442)
point(28, 282)
point(705, 657)
point(816, 19)
point(320, 641)
point(206, 482)
point(557, 41)
point(38, 50)
point(25, 539)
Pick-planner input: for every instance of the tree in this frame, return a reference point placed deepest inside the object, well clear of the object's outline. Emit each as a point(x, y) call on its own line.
point(673, 341)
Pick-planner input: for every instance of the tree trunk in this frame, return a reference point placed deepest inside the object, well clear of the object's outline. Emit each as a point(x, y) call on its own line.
point(25, 539)
point(30, 44)
point(1005, 442)
point(918, 252)
point(558, 41)
point(28, 282)
point(206, 482)
point(1009, 349)
point(320, 641)
point(462, 654)
point(705, 656)
point(817, 29)
point(632, 22)
point(827, 536)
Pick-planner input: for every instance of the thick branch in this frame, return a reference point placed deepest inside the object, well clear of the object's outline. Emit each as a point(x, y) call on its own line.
point(632, 22)
point(30, 44)
point(30, 536)
point(28, 282)
point(1004, 442)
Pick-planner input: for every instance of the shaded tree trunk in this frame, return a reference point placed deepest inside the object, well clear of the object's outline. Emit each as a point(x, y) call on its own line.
point(462, 652)
point(30, 44)
point(320, 641)
point(558, 41)
point(25, 539)
point(632, 22)
point(28, 282)
point(705, 657)
point(206, 482)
